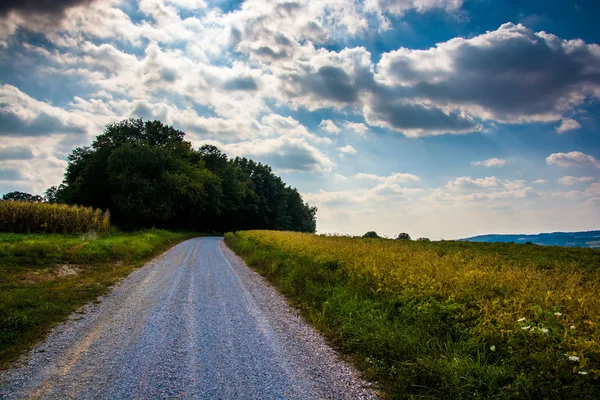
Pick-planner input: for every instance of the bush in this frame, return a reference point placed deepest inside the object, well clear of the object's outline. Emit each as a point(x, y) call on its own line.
point(403, 236)
point(29, 217)
point(371, 235)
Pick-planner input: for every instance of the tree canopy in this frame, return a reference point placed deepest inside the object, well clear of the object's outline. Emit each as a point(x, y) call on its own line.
point(22, 196)
point(147, 175)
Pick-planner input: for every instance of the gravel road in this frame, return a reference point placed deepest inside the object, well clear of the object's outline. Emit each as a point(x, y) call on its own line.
point(195, 322)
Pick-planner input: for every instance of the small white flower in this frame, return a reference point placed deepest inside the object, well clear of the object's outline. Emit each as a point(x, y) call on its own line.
point(521, 319)
point(573, 358)
point(572, 327)
point(493, 348)
point(558, 314)
point(526, 327)
point(582, 373)
point(545, 330)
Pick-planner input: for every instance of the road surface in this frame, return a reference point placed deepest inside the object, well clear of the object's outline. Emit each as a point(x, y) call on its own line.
point(195, 322)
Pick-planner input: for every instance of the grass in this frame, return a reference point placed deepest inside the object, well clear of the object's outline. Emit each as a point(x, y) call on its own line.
point(46, 277)
point(445, 319)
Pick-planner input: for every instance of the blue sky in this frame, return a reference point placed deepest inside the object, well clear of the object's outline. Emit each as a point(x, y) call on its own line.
point(438, 118)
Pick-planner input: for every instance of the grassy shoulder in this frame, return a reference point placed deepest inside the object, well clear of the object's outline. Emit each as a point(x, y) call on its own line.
point(46, 277)
point(445, 319)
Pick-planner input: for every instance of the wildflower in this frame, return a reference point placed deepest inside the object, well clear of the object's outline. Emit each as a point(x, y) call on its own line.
point(521, 319)
point(582, 373)
point(558, 314)
point(493, 348)
point(526, 327)
point(545, 330)
point(573, 358)
point(572, 326)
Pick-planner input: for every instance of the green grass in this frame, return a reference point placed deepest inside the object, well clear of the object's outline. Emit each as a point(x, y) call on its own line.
point(46, 277)
point(440, 320)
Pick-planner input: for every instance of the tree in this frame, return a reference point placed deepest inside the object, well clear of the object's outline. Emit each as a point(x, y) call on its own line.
point(147, 175)
point(423, 239)
point(50, 194)
point(403, 236)
point(22, 196)
point(371, 235)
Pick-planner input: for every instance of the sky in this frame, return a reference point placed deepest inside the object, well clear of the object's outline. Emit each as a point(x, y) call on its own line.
point(442, 119)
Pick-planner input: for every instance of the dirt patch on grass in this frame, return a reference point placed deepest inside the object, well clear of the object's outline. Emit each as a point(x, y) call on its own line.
point(67, 269)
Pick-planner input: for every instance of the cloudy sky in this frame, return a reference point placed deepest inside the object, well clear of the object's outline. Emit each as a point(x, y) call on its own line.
point(440, 118)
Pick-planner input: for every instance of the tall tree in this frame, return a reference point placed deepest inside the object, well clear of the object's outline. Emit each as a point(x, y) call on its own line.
point(148, 175)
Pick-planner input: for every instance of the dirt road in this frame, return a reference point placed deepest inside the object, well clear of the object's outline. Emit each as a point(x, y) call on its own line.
point(193, 323)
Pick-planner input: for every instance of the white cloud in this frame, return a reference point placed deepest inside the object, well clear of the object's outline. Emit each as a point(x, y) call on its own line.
point(567, 124)
point(466, 183)
point(572, 180)
point(347, 150)
point(328, 126)
point(572, 159)
point(539, 181)
point(399, 7)
point(393, 178)
point(283, 153)
point(357, 127)
point(492, 162)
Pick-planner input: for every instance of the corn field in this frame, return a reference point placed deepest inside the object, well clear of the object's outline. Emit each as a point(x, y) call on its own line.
point(29, 217)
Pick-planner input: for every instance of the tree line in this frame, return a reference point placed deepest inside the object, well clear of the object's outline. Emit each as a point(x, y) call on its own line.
point(147, 175)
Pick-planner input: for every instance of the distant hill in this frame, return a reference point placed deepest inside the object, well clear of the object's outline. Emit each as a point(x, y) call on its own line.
point(568, 239)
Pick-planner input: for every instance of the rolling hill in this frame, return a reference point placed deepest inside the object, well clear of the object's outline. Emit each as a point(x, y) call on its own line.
point(568, 239)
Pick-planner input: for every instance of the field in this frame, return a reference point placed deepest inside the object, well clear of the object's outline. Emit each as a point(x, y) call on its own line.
point(445, 319)
point(46, 277)
point(33, 217)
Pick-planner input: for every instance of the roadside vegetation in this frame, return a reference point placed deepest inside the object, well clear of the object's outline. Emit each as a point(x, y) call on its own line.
point(445, 319)
point(46, 277)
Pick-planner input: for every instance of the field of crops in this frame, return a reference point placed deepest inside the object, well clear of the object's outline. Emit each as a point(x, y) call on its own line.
point(32, 217)
point(445, 319)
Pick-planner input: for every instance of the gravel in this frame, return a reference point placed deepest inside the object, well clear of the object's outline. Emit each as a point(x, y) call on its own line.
point(195, 322)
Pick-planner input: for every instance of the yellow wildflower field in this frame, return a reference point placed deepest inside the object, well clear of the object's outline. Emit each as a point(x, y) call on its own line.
point(500, 320)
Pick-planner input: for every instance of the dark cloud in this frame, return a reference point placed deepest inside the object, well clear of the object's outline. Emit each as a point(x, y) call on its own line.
point(288, 7)
point(42, 124)
point(267, 52)
point(331, 83)
point(16, 153)
point(168, 75)
point(512, 73)
point(10, 174)
point(241, 83)
point(402, 116)
point(52, 7)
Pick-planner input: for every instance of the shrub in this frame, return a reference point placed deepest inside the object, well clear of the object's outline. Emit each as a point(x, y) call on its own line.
point(371, 235)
